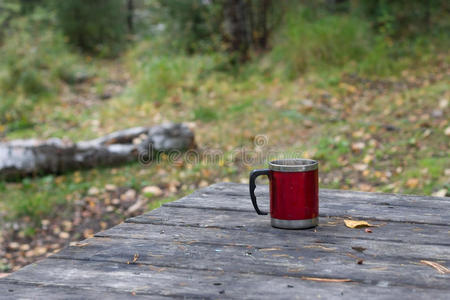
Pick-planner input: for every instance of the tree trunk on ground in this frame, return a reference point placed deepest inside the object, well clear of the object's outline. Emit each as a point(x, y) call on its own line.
point(21, 158)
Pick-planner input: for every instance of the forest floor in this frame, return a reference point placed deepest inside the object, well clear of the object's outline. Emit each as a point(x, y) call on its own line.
point(369, 134)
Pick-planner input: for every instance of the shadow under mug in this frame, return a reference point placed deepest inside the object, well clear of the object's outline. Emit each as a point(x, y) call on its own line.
point(294, 193)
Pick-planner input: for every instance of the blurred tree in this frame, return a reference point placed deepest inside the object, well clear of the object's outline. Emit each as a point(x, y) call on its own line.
point(95, 26)
point(130, 13)
point(28, 5)
point(238, 26)
point(193, 25)
point(405, 18)
point(238, 33)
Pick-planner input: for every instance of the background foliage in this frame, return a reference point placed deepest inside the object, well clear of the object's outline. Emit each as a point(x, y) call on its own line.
point(95, 26)
point(360, 85)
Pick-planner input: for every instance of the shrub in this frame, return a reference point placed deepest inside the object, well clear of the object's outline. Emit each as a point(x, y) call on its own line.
point(95, 26)
point(194, 25)
point(330, 40)
point(33, 59)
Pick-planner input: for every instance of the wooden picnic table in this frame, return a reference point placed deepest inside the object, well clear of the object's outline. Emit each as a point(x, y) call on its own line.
point(211, 244)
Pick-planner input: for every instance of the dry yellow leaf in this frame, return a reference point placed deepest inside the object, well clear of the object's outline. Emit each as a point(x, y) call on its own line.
point(356, 224)
point(135, 258)
point(440, 268)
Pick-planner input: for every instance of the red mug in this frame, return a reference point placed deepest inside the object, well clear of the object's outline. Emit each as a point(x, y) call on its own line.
point(294, 193)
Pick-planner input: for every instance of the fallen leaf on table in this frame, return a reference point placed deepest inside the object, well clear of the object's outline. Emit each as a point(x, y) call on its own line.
point(135, 258)
point(326, 279)
point(356, 224)
point(440, 268)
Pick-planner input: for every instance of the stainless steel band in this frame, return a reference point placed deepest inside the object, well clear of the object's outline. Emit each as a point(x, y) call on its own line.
point(294, 224)
point(293, 165)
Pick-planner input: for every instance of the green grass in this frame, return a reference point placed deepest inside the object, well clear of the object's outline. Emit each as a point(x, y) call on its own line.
point(329, 151)
point(205, 114)
point(240, 108)
point(435, 166)
point(164, 75)
point(307, 41)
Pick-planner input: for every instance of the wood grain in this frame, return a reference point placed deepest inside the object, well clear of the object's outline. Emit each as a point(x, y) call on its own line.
point(211, 244)
point(382, 207)
point(185, 283)
point(12, 290)
point(305, 259)
point(333, 227)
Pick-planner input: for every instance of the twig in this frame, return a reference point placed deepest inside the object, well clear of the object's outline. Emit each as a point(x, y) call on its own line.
point(440, 268)
point(326, 279)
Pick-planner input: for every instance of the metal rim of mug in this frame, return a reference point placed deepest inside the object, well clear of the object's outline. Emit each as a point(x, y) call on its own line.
point(294, 224)
point(293, 165)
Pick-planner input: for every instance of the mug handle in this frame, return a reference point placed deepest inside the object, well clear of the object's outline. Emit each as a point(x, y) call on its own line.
point(253, 175)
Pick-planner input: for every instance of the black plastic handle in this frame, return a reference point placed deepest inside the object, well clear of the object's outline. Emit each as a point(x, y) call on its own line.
point(253, 175)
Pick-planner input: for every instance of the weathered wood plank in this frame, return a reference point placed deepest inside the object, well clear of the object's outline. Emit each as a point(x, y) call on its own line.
point(281, 239)
point(13, 291)
point(145, 279)
point(307, 259)
point(260, 225)
point(383, 198)
point(238, 189)
point(383, 207)
point(234, 190)
point(212, 245)
point(330, 229)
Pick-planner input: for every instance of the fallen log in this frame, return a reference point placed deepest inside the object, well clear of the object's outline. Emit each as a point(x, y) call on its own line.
point(27, 157)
